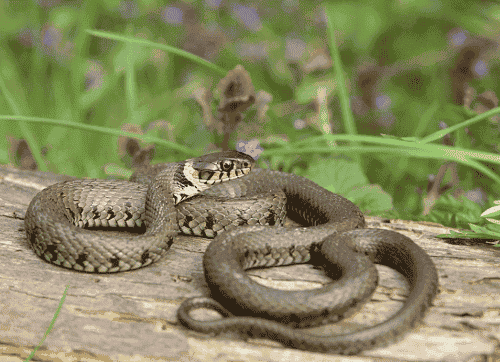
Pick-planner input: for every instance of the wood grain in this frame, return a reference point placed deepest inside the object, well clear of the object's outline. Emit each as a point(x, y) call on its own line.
point(132, 315)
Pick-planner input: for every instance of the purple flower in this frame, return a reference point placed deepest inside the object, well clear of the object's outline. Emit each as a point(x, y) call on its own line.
point(248, 16)
point(51, 36)
point(172, 15)
point(383, 102)
point(480, 68)
point(457, 38)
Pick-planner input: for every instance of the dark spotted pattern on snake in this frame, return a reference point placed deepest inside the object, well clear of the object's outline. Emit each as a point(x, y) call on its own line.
point(334, 239)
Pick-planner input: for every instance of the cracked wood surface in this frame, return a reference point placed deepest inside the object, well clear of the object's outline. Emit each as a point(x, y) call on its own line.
point(132, 315)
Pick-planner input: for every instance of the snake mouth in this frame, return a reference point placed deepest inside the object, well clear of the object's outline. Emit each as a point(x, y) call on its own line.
point(210, 177)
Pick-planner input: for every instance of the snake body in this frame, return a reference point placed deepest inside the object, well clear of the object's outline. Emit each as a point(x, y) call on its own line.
point(334, 240)
point(55, 217)
point(335, 230)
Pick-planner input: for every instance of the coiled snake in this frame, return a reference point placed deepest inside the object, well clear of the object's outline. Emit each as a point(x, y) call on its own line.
point(335, 240)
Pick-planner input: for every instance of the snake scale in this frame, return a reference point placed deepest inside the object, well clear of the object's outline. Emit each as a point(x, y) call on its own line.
point(194, 197)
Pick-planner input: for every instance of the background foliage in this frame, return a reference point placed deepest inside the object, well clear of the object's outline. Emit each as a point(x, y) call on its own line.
point(410, 68)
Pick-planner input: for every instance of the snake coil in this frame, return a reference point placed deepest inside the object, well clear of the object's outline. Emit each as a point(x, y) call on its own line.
point(334, 239)
point(55, 217)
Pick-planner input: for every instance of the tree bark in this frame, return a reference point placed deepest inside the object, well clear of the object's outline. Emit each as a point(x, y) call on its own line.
point(132, 315)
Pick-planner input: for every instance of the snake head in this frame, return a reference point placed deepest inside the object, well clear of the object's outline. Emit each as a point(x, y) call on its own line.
point(198, 174)
point(219, 167)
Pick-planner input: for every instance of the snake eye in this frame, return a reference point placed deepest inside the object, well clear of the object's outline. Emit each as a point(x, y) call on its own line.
point(226, 165)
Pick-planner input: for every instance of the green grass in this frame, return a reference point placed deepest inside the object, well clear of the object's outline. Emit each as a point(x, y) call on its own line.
point(51, 325)
point(68, 83)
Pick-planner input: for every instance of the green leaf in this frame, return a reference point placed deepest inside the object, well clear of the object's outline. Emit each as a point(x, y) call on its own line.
point(465, 234)
point(491, 212)
point(484, 231)
point(337, 175)
point(347, 179)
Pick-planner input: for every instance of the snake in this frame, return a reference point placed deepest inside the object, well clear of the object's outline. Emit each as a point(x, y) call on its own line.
point(222, 195)
point(57, 217)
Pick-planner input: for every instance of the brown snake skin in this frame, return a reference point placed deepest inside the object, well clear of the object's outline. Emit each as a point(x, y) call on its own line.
point(56, 215)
